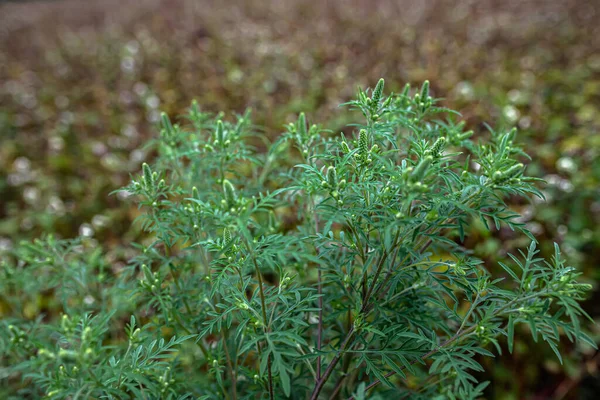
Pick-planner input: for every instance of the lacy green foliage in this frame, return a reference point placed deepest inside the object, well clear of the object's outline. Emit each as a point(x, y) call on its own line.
point(333, 266)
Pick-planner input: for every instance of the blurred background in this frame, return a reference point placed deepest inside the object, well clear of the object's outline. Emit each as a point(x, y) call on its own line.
point(82, 84)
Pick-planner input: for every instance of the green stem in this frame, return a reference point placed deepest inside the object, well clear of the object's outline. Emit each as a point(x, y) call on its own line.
point(264, 315)
point(320, 293)
point(229, 366)
point(321, 383)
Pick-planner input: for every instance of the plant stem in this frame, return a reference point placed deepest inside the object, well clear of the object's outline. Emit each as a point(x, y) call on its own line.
point(321, 382)
point(229, 366)
point(468, 315)
point(332, 365)
point(386, 253)
point(264, 315)
point(185, 303)
point(320, 293)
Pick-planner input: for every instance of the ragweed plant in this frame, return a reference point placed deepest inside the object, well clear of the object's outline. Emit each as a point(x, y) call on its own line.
point(323, 267)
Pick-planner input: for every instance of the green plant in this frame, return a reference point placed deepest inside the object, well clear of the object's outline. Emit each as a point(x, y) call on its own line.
point(330, 265)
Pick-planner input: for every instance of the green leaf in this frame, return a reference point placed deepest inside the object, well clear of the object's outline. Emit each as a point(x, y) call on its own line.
point(511, 333)
point(285, 382)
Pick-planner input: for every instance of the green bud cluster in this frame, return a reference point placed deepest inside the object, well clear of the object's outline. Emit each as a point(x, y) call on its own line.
point(68, 324)
point(150, 186)
point(44, 353)
point(423, 100)
point(220, 137)
point(229, 194)
point(151, 281)
point(438, 147)
point(231, 201)
point(302, 134)
point(374, 107)
point(509, 175)
point(334, 185)
point(134, 338)
point(403, 100)
point(301, 126)
point(227, 237)
point(344, 146)
point(363, 144)
point(168, 131)
point(364, 155)
point(457, 135)
point(17, 336)
point(149, 178)
point(421, 169)
point(377, 92)
point(227, 242)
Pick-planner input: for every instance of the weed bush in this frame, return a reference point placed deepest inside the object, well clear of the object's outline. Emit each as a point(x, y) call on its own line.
point(333, 266)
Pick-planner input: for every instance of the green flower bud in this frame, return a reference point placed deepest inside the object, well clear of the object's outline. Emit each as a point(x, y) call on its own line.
point(425, 90)
point(514, 170)
point(227, 237)
point(406, 90)
point(378, 92)
point(464, 136)
point(302, 126)
point(363, 143)
point(46, 354)
point(220, 132)
point(387, 102)
point(438, 146)
point(167, 126)
point(229, 192)
point(345, 147)
point(498, 176)
point(148, 177)
point(421, 168)
point(332, 176)
point(147, 273)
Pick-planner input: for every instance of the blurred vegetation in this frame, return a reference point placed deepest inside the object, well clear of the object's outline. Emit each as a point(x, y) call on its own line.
point(81, 86)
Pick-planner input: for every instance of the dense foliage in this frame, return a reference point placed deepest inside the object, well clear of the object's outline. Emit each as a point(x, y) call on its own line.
point(82, 83)
point(332, 264)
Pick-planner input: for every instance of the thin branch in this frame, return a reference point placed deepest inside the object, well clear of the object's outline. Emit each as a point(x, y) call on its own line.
point(230, 367)
point(320, 293)
point(264, 315)
point(332, 365)
point(386, 253)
